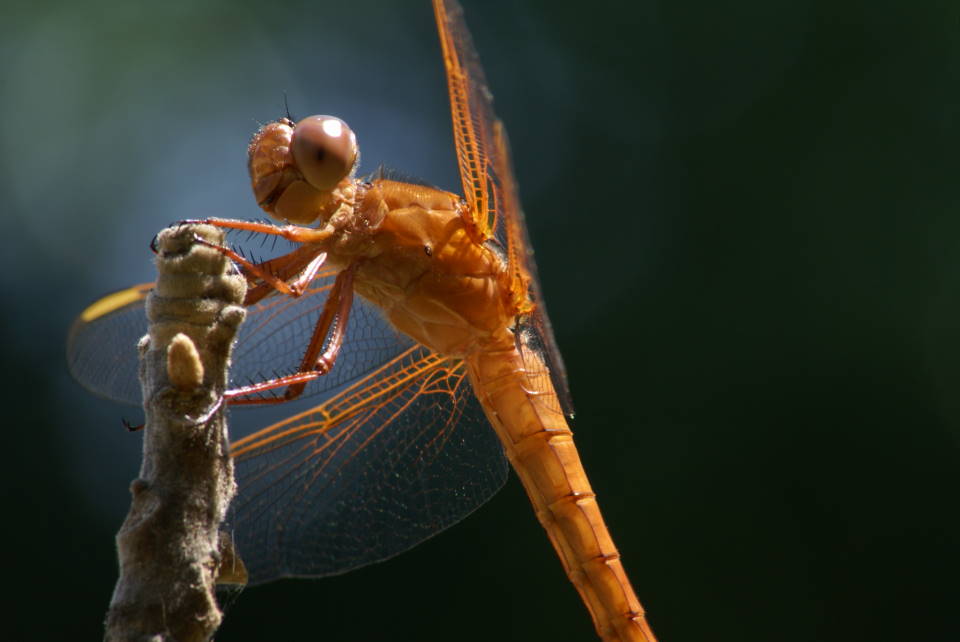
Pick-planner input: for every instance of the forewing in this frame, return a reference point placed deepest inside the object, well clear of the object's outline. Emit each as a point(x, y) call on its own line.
point(102, 344)
point(102, 355)
point(384, 464)
point(471, 108)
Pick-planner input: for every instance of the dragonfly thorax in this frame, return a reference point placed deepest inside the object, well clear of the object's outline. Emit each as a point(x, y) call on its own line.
point(433, 282)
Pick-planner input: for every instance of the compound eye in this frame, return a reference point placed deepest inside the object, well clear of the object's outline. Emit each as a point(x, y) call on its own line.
point(324, 149)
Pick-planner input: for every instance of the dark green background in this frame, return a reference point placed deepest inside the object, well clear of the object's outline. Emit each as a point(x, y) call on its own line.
point(746, 218)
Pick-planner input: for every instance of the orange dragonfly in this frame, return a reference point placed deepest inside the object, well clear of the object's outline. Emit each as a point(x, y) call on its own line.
point(447, 338)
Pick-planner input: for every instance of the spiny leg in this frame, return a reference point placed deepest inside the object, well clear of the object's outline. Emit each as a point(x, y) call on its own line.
point(260, 270)
point(314, 364)
point(303, 263)
point(293, 233)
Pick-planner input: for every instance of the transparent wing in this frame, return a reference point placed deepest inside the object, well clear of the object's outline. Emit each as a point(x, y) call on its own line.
point(382, 465)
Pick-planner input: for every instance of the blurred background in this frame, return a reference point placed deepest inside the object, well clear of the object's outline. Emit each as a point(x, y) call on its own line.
point(748, 231)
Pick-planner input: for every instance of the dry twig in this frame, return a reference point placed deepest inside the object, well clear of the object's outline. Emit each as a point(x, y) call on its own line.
point(169, 544)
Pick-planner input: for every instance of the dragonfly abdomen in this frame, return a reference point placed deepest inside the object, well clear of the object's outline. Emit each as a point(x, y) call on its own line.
point(515, 389)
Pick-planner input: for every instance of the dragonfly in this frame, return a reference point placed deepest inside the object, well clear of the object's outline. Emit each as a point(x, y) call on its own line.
point(424, 386)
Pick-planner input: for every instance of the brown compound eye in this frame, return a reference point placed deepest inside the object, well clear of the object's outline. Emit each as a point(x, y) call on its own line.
point(324, 149)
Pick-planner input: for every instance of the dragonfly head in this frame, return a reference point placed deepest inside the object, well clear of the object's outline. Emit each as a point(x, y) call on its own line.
point(299, 169)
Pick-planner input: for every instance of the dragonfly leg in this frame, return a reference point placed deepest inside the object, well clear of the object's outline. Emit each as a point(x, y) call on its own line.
point(293, 233)
point(263, 272)
point(324, 362)
point(303, 263)
point(316, 361)
point(236, 397)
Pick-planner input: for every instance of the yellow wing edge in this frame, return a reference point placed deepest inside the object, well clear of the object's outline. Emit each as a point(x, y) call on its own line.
point(115, 301)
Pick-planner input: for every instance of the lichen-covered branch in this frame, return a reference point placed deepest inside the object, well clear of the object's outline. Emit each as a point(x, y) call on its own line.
point(169, 544)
